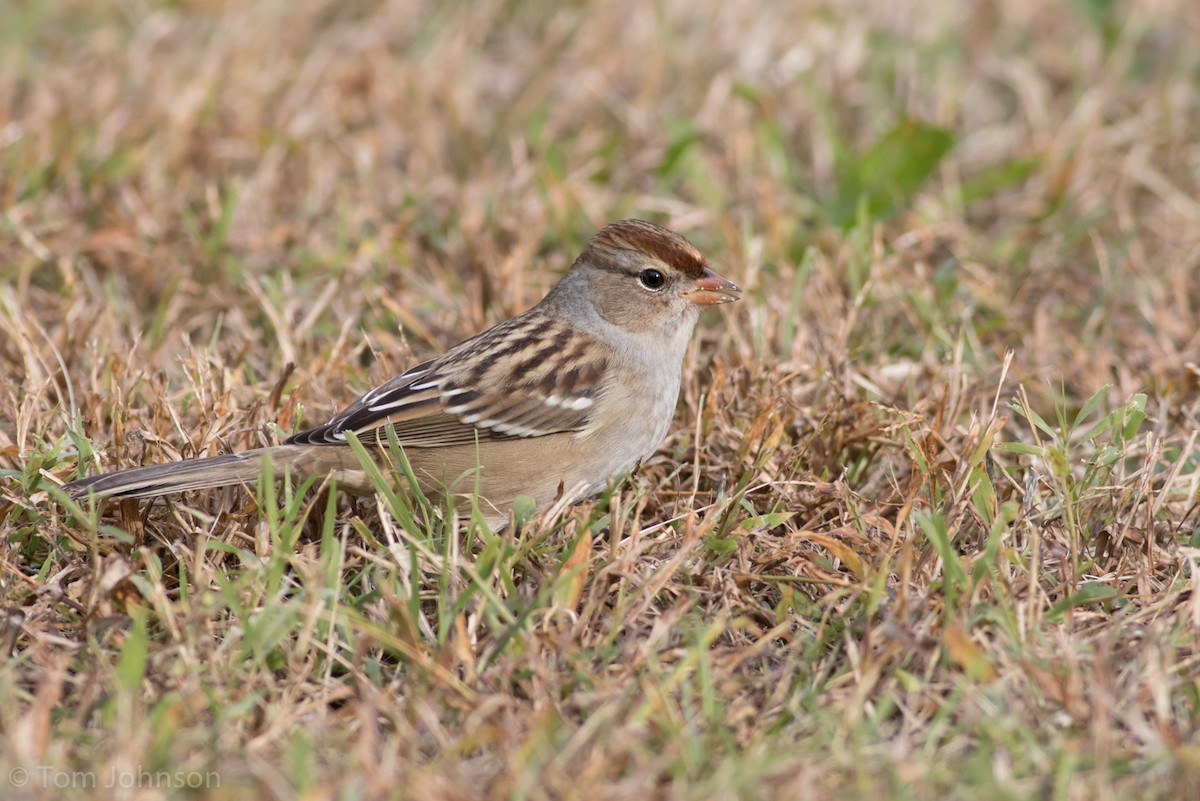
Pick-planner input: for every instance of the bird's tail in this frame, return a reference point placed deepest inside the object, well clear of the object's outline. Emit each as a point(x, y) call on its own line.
point(192, 474)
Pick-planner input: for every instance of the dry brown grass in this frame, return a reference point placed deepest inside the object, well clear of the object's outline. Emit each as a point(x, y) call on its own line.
point(858, 568)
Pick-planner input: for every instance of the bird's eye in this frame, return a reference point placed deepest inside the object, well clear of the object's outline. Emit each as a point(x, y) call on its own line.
point(652, 279)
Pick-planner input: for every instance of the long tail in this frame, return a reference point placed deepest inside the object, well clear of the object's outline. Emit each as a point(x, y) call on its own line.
point(193, 474)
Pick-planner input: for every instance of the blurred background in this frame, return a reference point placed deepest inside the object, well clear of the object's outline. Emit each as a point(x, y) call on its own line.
point(930, 498)
point(1029, 170)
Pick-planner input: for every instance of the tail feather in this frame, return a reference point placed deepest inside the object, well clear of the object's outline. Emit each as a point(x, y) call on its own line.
point(192, 474)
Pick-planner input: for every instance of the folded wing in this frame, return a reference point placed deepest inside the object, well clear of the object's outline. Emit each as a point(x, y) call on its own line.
point(528, 377)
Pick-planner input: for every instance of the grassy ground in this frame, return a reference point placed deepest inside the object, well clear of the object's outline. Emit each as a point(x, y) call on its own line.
point(926, 524)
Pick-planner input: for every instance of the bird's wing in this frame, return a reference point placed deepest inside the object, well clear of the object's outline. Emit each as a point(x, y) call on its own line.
point(495, 386)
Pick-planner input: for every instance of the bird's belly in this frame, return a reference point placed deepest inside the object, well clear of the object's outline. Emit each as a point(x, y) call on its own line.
point(633, 439)
point(543, 468)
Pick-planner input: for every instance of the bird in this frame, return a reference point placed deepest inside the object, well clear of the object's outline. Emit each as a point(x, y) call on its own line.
point(552, 403)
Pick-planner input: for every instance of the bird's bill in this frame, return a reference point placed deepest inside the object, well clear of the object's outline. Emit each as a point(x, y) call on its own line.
point(710, 289)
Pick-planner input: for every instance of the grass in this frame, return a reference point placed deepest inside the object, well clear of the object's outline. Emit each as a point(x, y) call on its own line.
point(926, 524)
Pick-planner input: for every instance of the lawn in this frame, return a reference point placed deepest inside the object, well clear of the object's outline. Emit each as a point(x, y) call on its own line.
point(927, 523)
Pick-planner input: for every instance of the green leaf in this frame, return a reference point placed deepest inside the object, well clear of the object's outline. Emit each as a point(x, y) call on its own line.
point(984, 494)
point(722, 545)
point(683, 136)
point(1103, 16)
point(120, 535)
point(885, 178)
point(766, 521)
point(1125, 421)
point(524, 507)
point(1089, 407)
point(1135, 415)
point(1035, 418)
point(1088, 593)
point(991, 549)
point(938, 533)
point(992, 180)
point(131, 666)
point(1019, 447)
point(1107, 456)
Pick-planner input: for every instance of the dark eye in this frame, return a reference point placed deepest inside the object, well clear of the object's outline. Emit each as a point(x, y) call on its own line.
point(652, 279)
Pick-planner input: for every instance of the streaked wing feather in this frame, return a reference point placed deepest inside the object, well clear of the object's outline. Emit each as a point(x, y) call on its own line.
point(476, 391)
point(392, 399)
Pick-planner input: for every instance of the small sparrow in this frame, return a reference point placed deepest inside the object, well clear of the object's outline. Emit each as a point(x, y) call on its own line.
point(554, 402)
